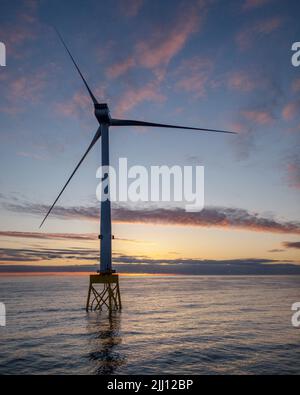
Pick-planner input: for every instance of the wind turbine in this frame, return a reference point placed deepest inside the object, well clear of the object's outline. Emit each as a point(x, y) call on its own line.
point(110, 295)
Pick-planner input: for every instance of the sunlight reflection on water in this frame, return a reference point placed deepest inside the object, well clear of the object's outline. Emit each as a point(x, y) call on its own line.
point(175, 325)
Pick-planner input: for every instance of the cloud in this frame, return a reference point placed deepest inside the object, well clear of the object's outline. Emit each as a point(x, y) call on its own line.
point(220, 217)
point(61, 236)
point(253, 4)
point(79, 103)
point(260, 112)
point(164, 45)
point(264, 27)
point(244, 141)
point(135, 96)
point(23, 89)
point(296, 85)
point(47, 254)
point(192, 75)
point(291, 244)
point(262, 117)
point(24, 28)
point(291, 110)
point(49, 236)
point(168, 39)
point(241, 81)
point(31, 155)
point(155, 52)
point(118, 69)
point(19, 35)
point(209, 217)
point(132, 264)
point(275, 250)
point(293, 172)
point(28, 88)
point(131, 8)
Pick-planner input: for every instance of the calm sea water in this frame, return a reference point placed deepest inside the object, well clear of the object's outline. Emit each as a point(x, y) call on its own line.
point(169, 325)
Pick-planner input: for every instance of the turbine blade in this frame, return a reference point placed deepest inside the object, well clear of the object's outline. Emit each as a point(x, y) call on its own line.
point(95, 139)
point(75, 64)
point(126, 122)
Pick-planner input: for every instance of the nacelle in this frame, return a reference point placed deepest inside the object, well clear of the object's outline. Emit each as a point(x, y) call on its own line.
point(102, 113)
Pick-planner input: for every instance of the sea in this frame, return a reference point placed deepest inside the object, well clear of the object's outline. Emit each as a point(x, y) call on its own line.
point(168, 325)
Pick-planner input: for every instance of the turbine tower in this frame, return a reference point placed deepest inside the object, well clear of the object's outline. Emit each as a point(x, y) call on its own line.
point(109, 295)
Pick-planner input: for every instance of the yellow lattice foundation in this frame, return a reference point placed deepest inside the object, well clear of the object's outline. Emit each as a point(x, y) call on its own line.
point(104, 292)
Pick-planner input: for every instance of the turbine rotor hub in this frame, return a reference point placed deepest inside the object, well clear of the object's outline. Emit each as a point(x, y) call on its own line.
point(102, 113)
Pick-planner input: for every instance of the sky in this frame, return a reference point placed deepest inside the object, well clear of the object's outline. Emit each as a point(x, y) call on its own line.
point(206, 63)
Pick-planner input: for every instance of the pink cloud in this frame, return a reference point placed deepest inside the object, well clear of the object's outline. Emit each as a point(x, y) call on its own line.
point(296, 85)
point(156, 52)
point(220, 217)
point(12, 110)
point(131, 8)
point(264, 27)
point(19, 35)
point(29, 88)
point(293, 173)
point(118, 69)
point(238, 127)
point(241, 81)
point(135, 96)
point(251, 4)
point(24, 28)
point(291, 110)
point(195, 75)
point(258, 116)
point(160, 49)
point(78, 103)
point(268, 25)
